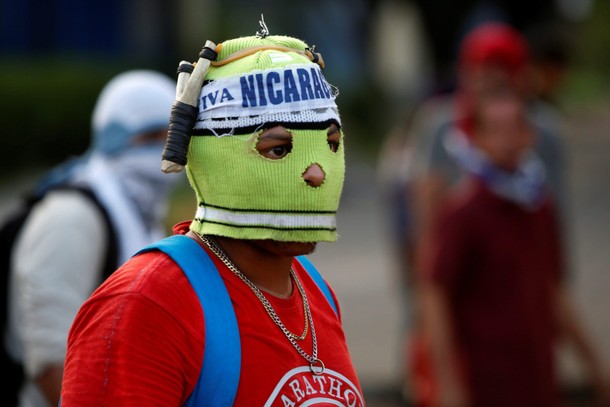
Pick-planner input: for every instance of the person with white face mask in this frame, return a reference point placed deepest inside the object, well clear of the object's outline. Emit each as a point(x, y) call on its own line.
point(71, 239)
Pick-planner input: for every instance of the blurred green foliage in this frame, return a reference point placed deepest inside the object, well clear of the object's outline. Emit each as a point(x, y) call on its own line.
point(45, 108)
point(588, 80)
point(594, 34)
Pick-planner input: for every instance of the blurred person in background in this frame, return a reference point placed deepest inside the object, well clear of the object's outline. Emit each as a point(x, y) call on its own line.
point(97, 211)
point(493, 55)
point(491, 278)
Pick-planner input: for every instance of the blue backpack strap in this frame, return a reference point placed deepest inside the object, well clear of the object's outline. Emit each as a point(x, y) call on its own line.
point(219, 377)
point(319, 280)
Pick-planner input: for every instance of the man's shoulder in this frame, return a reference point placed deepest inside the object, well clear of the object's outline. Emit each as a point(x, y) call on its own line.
point(433, 114)
point(145, 271)
point(73, 202)
point(435, 105)
point(151, 277)
point(465, 200)
point(65, 212)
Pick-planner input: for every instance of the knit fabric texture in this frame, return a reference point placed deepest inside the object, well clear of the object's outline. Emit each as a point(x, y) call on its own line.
point(240, 193)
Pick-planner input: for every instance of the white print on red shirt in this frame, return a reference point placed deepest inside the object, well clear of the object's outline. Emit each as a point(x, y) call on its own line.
point(300, 388)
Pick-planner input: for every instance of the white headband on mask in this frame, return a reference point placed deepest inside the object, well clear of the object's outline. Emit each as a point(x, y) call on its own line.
point(294, 94)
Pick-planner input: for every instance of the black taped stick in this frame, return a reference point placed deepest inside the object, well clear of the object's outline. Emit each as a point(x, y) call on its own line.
point(184, 112)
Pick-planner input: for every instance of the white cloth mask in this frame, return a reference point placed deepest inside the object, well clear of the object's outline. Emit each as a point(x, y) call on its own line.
point(139, 171)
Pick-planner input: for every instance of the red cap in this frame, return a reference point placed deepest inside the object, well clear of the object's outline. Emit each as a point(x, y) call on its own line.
point(494, 43)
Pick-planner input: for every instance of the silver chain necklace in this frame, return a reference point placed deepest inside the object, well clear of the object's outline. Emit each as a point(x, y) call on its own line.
point(315, 365)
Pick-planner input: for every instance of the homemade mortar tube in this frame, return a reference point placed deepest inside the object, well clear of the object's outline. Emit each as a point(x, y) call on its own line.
point(184, 112)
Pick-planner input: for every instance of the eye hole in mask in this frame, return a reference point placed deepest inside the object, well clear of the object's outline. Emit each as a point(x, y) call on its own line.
point(333, 137)
point(274, 143)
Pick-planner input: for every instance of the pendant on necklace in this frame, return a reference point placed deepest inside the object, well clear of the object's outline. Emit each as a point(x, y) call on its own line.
point(317, 367)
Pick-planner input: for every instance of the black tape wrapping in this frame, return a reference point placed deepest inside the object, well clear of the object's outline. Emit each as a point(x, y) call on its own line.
point(208, 53)
point(181, 122)
point(185, 68)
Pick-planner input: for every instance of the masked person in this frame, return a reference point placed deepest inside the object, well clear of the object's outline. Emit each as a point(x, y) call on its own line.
point(494, 298)
point(494, 60)
point(96, 212)
point(266, 163)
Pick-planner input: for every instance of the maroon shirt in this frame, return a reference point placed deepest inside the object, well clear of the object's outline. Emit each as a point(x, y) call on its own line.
point(498, 263)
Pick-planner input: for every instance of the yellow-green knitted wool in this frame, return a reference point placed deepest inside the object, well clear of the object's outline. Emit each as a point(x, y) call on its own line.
point(244, 195)
point(259, 60)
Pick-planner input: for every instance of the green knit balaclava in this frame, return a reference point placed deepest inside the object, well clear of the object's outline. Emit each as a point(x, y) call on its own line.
point(257, 83)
